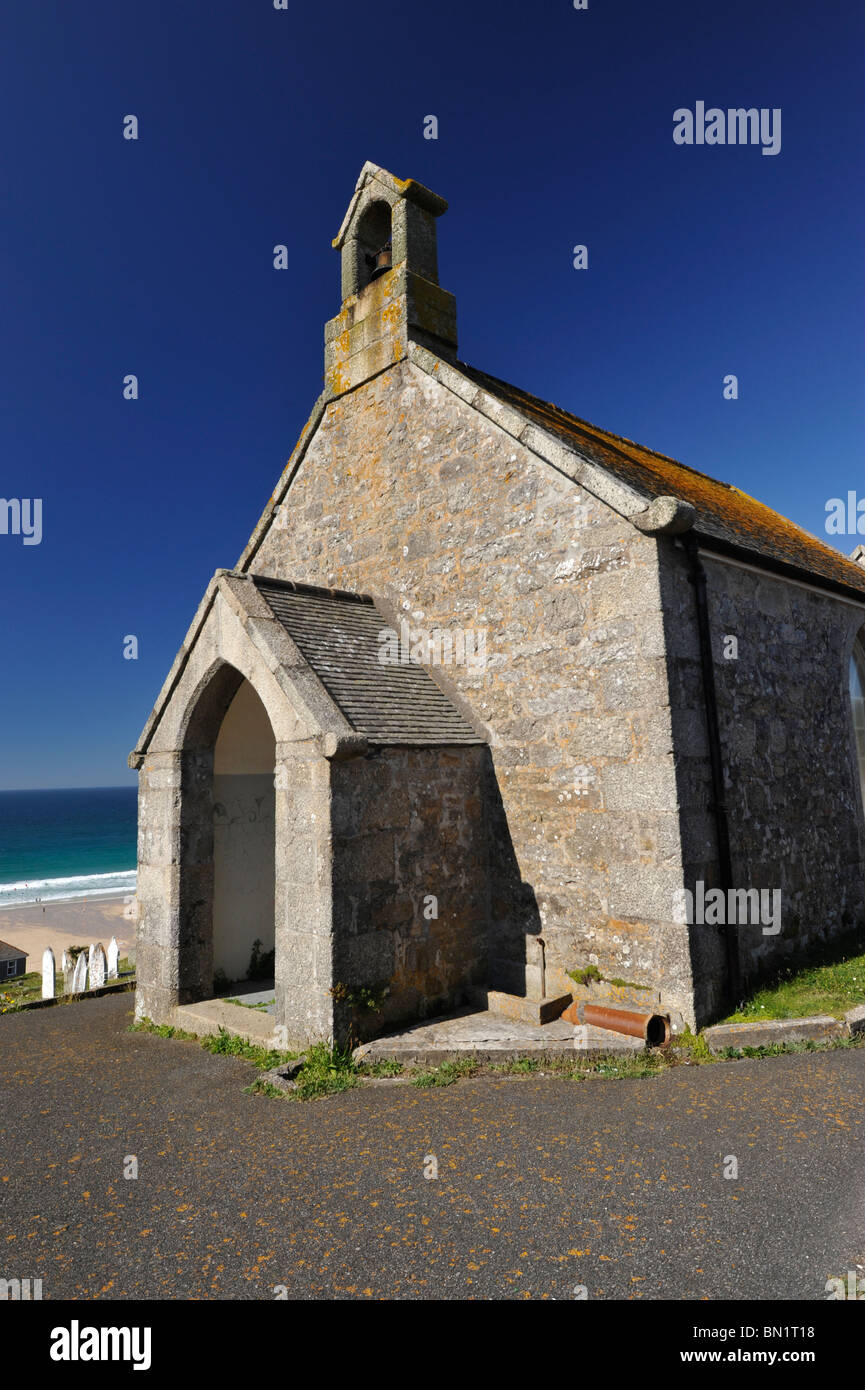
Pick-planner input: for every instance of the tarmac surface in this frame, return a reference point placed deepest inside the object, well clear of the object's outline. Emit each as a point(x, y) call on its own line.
point(543, 1185)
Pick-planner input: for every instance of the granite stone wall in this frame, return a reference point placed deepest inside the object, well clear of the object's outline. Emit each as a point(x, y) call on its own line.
point(792, 793)
point(408, 494)
point(410, 879)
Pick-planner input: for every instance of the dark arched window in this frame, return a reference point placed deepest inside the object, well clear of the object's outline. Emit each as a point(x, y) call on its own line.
point(857, 700)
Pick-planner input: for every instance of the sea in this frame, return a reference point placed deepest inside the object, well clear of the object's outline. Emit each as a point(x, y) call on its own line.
point(77, 843)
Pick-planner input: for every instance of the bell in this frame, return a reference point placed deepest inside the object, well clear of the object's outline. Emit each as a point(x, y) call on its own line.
point(382, 262)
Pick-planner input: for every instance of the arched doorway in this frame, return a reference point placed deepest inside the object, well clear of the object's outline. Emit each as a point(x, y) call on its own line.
point(225, 869)
point(244, 755)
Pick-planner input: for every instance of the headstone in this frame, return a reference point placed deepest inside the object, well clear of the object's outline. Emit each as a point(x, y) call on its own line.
point(79, 975)
point(48, 973)
point(113, 958)
point(96, 965)
point(67, 969)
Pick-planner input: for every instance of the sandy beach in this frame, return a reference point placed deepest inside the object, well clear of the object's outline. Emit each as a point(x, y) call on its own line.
point(33, 926)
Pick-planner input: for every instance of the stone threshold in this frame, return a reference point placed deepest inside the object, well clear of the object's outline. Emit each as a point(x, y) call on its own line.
point(209, 1015)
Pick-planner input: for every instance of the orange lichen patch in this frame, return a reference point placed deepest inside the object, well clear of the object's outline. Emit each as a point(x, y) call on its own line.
point(723, 511)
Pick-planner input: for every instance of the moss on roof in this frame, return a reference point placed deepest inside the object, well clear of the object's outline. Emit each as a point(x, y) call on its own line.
point(724, 513)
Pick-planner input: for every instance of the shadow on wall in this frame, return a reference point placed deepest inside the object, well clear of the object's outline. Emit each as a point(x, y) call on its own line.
point(428, 906)
point(513, 914)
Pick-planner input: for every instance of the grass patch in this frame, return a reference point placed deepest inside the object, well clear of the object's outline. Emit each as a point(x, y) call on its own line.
point(326, 1070)
point(227, 1045)
point(162, 1030)
point(626, 1068)
point(261, 1006)
point(517, 1066)
point(383, 1068)
point(782, 1049)
point(813, 989)
point(260, 1087)
point(22, 990)
point(697, 1045)
point(223, 1044)
point(446, 1073)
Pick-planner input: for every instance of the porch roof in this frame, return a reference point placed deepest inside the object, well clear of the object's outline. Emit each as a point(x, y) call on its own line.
point(339, 636)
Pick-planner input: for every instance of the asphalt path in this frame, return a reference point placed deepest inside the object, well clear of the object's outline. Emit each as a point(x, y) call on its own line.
point(544, 1187)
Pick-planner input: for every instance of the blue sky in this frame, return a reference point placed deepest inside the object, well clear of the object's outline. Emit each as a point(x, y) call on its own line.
point(154, 257)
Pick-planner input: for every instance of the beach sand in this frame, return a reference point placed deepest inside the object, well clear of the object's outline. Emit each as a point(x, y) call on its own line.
point(33, 926)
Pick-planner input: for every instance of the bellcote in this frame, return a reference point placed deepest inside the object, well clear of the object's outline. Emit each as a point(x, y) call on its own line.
point(390, 290)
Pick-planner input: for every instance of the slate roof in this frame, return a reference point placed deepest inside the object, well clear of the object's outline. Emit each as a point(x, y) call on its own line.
point(8, 952)
point(338, 635)
point(725, 514)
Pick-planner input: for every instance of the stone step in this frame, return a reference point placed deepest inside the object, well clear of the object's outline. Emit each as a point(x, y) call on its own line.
point(535, 1011)
point(491, 1037)
point(209, 1015)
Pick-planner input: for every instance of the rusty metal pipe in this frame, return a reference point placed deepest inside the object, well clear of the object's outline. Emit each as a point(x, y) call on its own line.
point(653, 1028)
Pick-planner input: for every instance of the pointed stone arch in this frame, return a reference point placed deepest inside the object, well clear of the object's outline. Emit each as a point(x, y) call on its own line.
point(235, 639)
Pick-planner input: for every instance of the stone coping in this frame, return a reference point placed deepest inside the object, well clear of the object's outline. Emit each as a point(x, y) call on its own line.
point(772, 1032)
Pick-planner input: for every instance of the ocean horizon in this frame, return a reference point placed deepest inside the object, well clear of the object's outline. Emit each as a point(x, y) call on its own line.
point(67, 843)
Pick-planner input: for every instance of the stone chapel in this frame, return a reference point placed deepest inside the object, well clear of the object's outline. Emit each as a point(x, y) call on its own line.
point(493, 696)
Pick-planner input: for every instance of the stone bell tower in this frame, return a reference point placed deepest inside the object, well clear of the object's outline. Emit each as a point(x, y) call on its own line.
point(390, 289)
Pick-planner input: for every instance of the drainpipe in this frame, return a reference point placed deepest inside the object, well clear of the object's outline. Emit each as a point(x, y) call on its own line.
point(672, 516)
point(697, 577)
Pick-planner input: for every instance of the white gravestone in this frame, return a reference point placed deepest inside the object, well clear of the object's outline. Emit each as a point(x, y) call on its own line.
point(113, 958)
point(79, 975)
point(96, 965)
point(48, 973)
point(67, 968)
